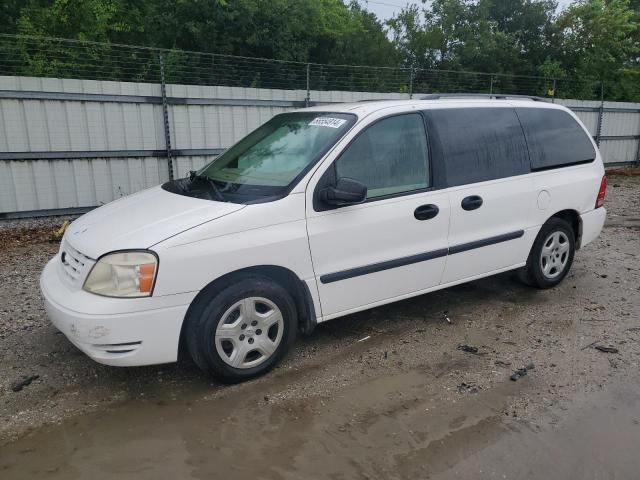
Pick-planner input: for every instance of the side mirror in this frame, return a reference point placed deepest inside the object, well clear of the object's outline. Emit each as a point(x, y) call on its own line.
point(346, 191)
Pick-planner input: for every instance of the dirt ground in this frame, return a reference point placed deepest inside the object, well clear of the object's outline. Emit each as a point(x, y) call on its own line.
point(384, 394)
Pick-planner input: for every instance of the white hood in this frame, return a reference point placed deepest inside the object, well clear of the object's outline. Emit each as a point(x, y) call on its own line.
point(142, 220)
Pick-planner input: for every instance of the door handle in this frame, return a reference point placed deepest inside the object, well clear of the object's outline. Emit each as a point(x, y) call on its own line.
point(426, 212)
point(472, 202)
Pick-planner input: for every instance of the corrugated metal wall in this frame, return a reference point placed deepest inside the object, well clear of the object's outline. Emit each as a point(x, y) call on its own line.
point(61, 125)
point(70, 143)
point(620, 127)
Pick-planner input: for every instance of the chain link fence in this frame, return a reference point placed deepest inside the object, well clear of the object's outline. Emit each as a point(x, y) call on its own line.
point(60, 58)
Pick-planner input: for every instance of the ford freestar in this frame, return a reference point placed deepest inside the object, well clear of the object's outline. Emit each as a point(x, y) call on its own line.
point(320, 213)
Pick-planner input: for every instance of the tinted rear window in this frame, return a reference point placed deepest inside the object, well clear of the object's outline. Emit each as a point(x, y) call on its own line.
point(478, 144)
point(554, 138)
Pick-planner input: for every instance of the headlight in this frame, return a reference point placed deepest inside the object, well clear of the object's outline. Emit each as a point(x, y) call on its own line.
point(123, 274)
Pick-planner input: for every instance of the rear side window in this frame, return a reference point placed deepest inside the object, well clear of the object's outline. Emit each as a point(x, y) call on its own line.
point(389, 157)
point(554, 138)
point(478, 144)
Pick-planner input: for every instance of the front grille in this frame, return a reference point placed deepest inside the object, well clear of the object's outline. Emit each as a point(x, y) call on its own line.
point(73, 263)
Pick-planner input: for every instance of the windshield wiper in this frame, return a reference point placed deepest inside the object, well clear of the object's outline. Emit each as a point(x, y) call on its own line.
point(216, 190)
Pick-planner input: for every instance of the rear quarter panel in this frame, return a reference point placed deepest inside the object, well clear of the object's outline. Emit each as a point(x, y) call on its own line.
point(567, 188)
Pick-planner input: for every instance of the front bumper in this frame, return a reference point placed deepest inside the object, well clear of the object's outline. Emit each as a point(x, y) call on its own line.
point(115, 331)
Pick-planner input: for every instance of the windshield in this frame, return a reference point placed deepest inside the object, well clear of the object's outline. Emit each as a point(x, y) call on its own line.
point(268, 160)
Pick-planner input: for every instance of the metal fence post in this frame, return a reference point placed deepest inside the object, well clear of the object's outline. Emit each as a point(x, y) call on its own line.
point(411, 75)
point(165, 115)
point(307, 101)
point(491, 85)
point(553, 99)
point(600, 114)
point(638, 152)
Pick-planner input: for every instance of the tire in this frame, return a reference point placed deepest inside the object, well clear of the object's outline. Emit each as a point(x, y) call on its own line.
point(551, 256)
point(243, 331)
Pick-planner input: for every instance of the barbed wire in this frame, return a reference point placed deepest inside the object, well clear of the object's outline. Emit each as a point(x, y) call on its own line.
point(24, 55)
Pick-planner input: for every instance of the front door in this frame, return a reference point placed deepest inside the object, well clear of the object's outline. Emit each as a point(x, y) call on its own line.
point(395, 243)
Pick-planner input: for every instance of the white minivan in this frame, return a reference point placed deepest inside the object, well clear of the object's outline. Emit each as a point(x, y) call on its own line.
point(320, 213)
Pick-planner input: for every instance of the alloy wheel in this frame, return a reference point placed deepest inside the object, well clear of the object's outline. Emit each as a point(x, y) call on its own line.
point(554, 255)
point(249, 332)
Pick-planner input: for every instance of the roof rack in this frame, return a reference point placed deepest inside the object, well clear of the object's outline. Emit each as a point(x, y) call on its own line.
point(378, 100)
point(497, 96)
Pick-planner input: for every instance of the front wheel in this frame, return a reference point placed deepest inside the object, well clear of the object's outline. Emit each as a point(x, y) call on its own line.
point(551, 255)
point(244, 330)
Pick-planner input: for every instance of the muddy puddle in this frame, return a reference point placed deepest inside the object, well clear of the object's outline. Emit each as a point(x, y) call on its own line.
point(386, 428)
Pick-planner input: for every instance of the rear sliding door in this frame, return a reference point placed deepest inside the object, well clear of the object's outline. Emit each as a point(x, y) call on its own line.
point(485, 158)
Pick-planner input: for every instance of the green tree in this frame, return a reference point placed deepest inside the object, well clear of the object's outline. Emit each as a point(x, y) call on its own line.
point(9, 14)
point(598, 37)
point(431, 43)
point(588, 42)
point(302, 30)
point(98, 20)
point(483, 35)
point(599, 42)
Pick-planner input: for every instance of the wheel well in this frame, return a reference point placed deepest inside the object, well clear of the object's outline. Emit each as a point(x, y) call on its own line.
point(572, 218)
point(283, 276)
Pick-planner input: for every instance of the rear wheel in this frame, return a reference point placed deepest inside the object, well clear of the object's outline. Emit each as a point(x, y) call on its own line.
point(244, 330)
point(551, 255)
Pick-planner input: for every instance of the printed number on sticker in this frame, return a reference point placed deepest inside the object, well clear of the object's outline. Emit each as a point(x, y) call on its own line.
point(327, 122)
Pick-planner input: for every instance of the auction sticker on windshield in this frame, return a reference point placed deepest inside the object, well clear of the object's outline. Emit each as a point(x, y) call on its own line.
point(327, 122)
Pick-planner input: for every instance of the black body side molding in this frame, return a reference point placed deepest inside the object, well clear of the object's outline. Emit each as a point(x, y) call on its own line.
point(485, 242)
point(420, 257)
point(378, 267)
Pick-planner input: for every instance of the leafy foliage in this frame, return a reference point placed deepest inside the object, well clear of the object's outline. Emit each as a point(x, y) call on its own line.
point(590, 42)
point(517, 46)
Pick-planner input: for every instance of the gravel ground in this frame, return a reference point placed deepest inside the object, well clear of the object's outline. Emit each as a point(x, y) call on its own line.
point(408, 348)
point(37, 223)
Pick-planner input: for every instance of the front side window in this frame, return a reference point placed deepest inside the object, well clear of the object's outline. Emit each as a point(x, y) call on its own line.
point(389, 157)
point(269, 160)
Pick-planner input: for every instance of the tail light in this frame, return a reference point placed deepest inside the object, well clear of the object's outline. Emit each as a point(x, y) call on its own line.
point(602, 192)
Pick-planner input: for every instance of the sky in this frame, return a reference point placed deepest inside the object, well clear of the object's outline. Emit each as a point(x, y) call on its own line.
point(385, 9)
